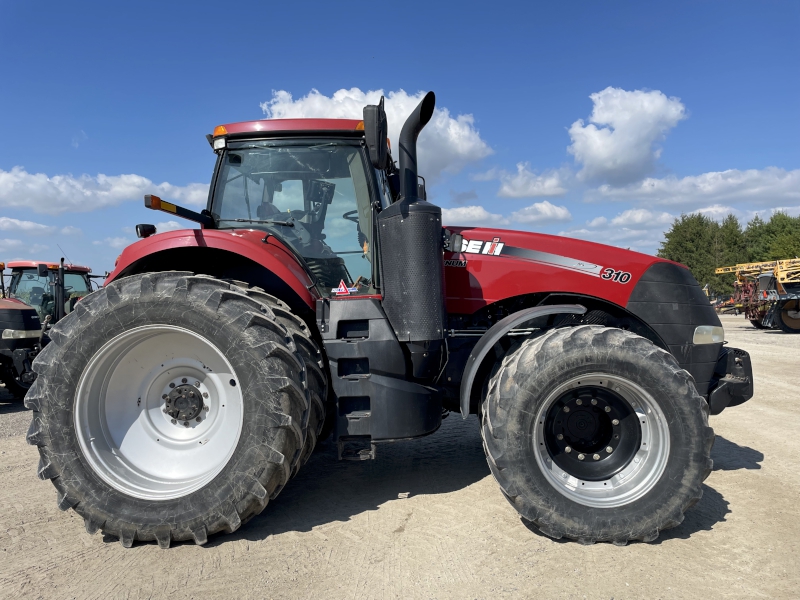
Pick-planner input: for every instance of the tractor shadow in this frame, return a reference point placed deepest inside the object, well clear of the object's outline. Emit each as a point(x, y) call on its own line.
point(326, 490)
point(712, 507)
point(730, 456)
point(9, 404)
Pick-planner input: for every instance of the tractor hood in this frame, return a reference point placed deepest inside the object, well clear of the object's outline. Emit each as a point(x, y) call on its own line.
point(488, 265)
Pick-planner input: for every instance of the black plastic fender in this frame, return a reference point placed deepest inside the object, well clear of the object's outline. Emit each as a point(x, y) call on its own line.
point(496, 332)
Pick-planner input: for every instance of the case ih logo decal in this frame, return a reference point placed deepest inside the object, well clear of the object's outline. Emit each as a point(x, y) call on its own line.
point(480, 247)
point(498, 248)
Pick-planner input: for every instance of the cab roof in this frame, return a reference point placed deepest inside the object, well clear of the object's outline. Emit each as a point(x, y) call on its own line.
point(285, 125)
point(32, 264)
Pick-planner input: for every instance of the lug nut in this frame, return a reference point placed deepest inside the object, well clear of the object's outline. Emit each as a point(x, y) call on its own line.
point(205, 394)
point(609, 449)
point(183, 380)
point(566, 409)
point(198, 419)
point(559, 437)
point(172, 385)
point(206, 408)
point(186, 423)
point(174, 422)
point(578, 401)
point(164, 396)
point(594, 402)
point(596, 456)
point(164, 410)
point(567, 449)
point(608, 409)
point(196, 384)
point(615, 422)
point(581, 456)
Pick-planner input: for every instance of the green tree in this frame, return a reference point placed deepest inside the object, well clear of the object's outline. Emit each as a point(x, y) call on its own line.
point(691, 241)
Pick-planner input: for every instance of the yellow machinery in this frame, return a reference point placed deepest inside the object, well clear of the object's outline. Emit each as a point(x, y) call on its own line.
point(768, 293)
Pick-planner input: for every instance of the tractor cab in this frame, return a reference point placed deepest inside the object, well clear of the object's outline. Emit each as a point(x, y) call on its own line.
point(34, 283)
point(315, 195)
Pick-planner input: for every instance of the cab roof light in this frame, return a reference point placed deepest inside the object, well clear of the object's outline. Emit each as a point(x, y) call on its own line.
point(360, 126)
point(220, 130)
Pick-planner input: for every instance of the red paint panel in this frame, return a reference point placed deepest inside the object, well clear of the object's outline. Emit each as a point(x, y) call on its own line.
point(271, 125)
point(487, 279)
point(272, 255)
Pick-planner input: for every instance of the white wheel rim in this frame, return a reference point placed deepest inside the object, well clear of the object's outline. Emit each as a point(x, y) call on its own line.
point(641, 473)
point(122, 427)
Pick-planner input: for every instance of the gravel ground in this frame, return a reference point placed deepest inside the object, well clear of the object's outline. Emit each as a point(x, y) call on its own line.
point(427, 520)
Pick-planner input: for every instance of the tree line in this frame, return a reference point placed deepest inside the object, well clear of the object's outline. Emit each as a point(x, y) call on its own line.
point(703, 244)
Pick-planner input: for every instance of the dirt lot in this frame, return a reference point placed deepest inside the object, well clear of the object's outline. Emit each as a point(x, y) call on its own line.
point(427, 520)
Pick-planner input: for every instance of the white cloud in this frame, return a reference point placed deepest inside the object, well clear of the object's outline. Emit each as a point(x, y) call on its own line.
point(525, 183)
point(114, 242)
point(619, 145)
point(28, 227)
point(770, 187)
point(79, 138)
point(471, 215)
point(20, 248)
point(638, 229)
point(165, 226)
point(70, 230)
point(447, 144)
point(641, 216)
point(542, 213)
point(65, 193)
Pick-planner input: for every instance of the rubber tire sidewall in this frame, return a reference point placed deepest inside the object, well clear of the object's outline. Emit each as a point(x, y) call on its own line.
point(261, 427)
point(574, 353)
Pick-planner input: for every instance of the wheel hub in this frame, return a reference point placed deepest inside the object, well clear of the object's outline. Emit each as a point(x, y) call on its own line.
point(184, 402)
point(592, 433)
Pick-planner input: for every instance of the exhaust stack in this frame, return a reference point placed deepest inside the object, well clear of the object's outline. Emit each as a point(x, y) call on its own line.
point(412, 268)
point(408, 146)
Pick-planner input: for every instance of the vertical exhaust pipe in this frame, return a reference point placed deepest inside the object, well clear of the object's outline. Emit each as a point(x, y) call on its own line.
point(410, 241)
point(408, 146)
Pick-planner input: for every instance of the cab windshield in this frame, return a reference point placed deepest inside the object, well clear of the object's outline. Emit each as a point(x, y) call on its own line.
point(313, 195)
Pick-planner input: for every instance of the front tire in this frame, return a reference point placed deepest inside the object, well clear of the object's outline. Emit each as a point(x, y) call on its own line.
point(168, 407)
point(596, 434)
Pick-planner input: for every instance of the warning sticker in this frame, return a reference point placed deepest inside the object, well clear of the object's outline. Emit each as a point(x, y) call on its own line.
point(343, 290)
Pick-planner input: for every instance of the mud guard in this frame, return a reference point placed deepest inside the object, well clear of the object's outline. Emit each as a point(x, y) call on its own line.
point(496, 332)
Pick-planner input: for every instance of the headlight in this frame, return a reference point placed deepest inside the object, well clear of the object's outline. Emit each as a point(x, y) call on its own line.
point(21, 334)
point(708, 334)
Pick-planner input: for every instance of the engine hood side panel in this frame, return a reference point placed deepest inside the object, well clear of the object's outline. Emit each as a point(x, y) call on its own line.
point(522, 263)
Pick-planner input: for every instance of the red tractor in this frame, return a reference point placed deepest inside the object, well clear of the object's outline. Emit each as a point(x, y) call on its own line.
point(322, 296)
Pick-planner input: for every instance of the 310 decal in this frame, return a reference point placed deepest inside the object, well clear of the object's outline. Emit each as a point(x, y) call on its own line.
point(610, 274)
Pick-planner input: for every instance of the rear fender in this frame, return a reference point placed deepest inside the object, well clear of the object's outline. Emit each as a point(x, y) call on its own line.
point(245, 255)
point(496, 333)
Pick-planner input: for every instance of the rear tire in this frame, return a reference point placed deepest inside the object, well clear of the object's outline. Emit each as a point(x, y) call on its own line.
point(621, 393)
point(314, 363)
point(789, 317)
point(100, 384)
point(758, 324)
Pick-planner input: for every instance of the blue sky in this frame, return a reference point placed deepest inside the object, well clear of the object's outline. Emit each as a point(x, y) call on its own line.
point(600, 120)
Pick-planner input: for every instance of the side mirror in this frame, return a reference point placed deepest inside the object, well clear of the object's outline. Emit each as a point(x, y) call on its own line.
point(42, 270)
point(376, 131)
point(144, 230)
